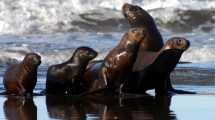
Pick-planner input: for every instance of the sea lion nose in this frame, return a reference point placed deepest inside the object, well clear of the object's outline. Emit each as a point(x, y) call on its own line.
point(39, 57)
point(187, 43)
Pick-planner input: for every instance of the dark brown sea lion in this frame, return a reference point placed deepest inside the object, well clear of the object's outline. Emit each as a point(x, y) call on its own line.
point(138, 17)
point(67, 76)
point(117, 65)
point(21, 78)
point(156, 68)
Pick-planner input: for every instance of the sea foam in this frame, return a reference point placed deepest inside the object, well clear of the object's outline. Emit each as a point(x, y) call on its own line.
point(65, 16)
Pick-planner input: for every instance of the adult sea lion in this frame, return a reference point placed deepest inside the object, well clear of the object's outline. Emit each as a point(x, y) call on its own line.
point(138, 17)
point(109, 75)
point(21, 78)
point(156, 68)
point(67, 76)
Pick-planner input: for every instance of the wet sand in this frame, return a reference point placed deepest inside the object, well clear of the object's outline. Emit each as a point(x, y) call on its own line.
point(200, 106)
point(148, 107)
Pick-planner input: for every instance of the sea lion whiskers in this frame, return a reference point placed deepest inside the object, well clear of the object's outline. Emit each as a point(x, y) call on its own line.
point(130, 15)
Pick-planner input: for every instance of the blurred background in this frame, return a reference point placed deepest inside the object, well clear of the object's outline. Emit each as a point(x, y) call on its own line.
point(64, 16)
point(57, 27)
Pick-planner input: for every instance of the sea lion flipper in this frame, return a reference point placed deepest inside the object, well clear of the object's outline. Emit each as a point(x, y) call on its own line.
point(160, 88)
point(183, 92)
point(162, 91)
point(100, 90)
point(20, 88)
point(103, 83)
point(171, 89)
point(103, 77)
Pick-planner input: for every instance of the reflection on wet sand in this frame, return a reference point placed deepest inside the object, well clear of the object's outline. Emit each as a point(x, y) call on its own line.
point(65, 107)
point(92, 107)
point(107, 108)
point(145, 107)
point(153, 108)
point(20, 108)
point(110, 108)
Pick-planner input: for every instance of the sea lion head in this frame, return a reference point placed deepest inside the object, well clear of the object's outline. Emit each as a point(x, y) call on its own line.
point(32, 60)
point(136, 35)
point(135, 15)
point(85, 53)
point(177, 43)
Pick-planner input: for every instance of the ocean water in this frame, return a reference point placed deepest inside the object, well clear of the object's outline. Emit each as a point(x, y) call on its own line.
point(55, 28)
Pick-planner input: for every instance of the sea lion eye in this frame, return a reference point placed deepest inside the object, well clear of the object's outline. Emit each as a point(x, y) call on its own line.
point(179, 42)
point(88, 53)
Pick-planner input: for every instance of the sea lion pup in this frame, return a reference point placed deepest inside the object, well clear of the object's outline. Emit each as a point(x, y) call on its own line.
point(138, 17)
point(67, 76)
point(108, 76)
point(21, 78)
point(157, 67)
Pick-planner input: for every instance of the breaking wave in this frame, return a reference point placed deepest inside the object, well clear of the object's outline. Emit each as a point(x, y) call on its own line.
point(66, 16)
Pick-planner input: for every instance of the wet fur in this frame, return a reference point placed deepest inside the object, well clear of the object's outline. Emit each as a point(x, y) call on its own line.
point(117, 66)
point(67, 77)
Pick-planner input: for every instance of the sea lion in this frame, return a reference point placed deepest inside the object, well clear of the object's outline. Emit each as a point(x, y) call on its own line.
point(156, 68)
point(21, 78)
point(138, 17)
point(67, 77)
point(109, 75)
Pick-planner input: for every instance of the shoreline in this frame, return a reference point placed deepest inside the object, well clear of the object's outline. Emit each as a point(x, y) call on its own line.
point(98, 107)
